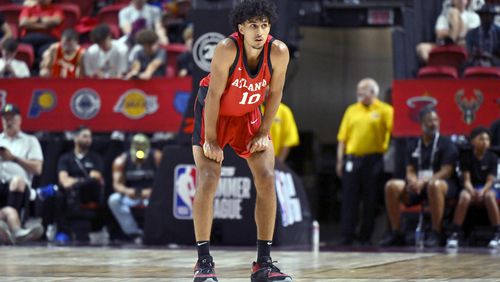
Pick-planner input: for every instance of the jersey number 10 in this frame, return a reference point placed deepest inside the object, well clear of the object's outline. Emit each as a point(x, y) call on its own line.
point(254, 98)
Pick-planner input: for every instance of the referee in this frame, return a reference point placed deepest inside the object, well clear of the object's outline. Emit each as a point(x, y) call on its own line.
point(363, 138)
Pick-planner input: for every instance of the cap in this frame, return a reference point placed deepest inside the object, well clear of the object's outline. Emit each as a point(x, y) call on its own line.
point(140, 146)
point(10, 109)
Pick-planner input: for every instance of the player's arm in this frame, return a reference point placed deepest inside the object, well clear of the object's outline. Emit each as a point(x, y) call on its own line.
point(223, 58)
point(48, 60)
point(119, 177)
point(279, 59)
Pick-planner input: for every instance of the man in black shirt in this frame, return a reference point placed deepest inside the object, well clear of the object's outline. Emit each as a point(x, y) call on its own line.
point(81, 180)
point(428, 177)
point(133, 176)
point(479, 168)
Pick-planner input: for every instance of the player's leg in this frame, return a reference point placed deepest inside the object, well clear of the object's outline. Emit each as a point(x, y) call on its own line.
point(262, 166)
point(208, 174)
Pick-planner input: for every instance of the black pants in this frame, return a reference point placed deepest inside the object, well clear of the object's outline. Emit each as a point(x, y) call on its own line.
point(69, 201)
point(360, 185)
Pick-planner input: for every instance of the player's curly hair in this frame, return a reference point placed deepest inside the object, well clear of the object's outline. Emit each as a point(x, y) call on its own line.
point(249, 9)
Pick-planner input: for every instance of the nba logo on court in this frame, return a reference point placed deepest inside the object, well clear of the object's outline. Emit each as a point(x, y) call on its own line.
point(184, 190)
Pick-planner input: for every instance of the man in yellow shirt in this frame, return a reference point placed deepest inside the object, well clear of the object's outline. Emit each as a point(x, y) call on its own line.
point(363, 138)
point(284, 133)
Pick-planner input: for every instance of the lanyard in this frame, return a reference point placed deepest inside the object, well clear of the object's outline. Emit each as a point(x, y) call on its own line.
point(433, 152)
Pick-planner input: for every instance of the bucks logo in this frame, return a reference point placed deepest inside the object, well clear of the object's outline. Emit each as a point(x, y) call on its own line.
point(469, 106)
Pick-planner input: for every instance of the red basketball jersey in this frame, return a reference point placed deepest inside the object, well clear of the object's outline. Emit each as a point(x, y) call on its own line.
point(245, 90)
point(66, 66)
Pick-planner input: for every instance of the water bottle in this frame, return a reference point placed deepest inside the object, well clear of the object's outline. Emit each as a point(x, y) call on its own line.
point(315, 236)
point(47, 191)
point(51, 232)
point(419, 232)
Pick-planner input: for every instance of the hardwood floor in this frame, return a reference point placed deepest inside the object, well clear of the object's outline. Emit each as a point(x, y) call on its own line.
point(33, 263)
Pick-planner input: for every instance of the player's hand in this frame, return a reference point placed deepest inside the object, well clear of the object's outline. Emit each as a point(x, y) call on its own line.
point(339, 168)
point(6, 155)
point(259, 143)
point(130, 193)
point(213, 151)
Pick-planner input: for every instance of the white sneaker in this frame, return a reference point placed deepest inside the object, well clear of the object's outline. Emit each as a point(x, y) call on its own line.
point(452, 242)
point(29, 234)
point(495, 242)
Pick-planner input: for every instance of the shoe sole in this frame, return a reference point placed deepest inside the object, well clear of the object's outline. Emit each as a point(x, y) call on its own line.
point(34, 234)
point(266, 280)
point(207, 280)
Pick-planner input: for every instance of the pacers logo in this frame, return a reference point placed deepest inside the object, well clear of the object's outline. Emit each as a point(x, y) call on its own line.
point(135, 104)
point(184, 190)
point(203, 49)
point(85, 103)
point(42, 100)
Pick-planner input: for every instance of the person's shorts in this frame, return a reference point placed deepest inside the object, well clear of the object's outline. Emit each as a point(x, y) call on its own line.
point(237, 131)
point(415, 199)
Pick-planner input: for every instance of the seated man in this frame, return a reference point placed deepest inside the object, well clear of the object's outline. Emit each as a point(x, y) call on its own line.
point(133, 176)
point(63, 59)
point(81, 180)
point(11, 231)
point(20, 159)
point(150, 60)
point(41, 25)
point(479, 169)
point(141, 10)
point(483, 43)
point(106, 58)
point(428, 177)
point(9, 66)
point(451, 27)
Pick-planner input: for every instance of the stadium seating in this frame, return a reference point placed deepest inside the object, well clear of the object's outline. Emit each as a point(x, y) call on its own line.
point(11, 13)
point(25, 53)
point(86, 6)
point(482, 72)
point(173, 50)
point(451, 55)
point(71, 13)
point(437, 72)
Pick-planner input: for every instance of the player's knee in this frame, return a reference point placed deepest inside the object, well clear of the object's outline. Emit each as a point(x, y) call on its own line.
point(209, 176)
point(465, 197)
point(266, 175)
point(17, 184)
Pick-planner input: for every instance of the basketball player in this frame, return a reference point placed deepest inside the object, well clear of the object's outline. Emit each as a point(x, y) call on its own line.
point(227, 112)
point(63, 59)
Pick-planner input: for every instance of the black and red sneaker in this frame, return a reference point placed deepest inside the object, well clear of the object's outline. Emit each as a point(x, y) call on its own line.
point(268, 272)
point(204, 270)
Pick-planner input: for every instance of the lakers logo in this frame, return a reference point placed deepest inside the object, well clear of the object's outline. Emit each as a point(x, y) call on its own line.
point(42, 100)
point(135, 104)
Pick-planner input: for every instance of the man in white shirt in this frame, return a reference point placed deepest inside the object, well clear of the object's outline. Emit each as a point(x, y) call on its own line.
point(20, 159)
point(106, 58)
point(139, 9)
point(451, 26)
point(9, 66)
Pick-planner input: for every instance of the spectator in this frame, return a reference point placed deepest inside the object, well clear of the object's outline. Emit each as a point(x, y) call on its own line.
point(133, 176)
point(185, 60)
point(451, 26)
point(11, 231)
point(429, 176)
point(139, 9)
point(495, 132)
point(106, 58)
point(360, 163)
point(150, 60)
point(41, 25)
point(63, 59)
point(483, 43)
point(9, 66)
point(5, 30)
point(479, 168)
point(80, 176)
point(284, 132)
point(20, 159)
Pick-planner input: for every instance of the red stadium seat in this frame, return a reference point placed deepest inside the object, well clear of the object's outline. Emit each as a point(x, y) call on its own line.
point(11, 13)
point(173, 50)
point(86, 6)
point(25, 53)
point(71, 14)
point(451, 55)
point(437, 72)
point(482, 72)
point(109, 14)
point(5, 2)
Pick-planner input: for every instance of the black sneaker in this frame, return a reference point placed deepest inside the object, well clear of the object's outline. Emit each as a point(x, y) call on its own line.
point(267, 271)
point(393, 238)
point(433, 240)
point(204, 270)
